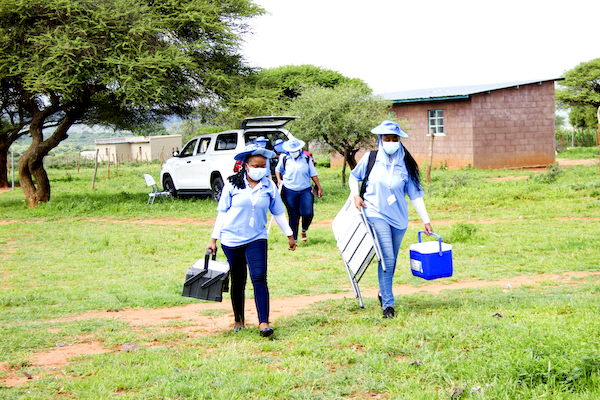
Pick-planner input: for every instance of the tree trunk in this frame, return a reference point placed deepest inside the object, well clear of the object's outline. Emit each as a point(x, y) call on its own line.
point(3, 164)
point(344, 167)
point(32, 175)
point(7, 138)
point(430, 159)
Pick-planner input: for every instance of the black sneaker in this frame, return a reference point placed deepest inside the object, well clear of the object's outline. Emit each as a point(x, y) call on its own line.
point(388, 312)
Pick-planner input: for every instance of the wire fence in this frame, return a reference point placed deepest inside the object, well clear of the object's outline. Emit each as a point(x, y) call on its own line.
point(577, 138)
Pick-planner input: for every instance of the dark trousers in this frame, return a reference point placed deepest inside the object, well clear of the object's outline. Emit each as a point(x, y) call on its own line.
point(298, 204)
point(254, 255)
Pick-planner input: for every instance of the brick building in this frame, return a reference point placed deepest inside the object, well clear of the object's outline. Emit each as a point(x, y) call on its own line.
point(487, 126)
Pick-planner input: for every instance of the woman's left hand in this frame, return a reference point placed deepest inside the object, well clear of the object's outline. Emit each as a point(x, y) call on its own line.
point(428, 229)
point(292, 243)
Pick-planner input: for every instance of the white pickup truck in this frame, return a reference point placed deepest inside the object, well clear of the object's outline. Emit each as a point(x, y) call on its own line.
point(206, 161)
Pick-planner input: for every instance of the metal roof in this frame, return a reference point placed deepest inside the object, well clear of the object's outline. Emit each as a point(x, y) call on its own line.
point(455, 92)
point(131, 139)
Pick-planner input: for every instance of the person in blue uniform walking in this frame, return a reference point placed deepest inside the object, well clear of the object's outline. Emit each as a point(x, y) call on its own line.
point(294, 171)
point(394, 175)
point(240, 225)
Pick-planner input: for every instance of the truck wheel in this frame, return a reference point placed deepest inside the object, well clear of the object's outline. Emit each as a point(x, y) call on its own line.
point(217, 188)
point(169, 186)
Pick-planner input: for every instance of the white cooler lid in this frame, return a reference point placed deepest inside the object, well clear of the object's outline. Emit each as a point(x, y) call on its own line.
point(430, 247)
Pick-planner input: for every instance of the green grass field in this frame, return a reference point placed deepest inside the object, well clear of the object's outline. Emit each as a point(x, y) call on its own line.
point(107, 250)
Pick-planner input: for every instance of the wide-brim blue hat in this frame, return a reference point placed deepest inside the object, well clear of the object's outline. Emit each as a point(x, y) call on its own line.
point(293, 145)
point(388, 127)
point(254, 150)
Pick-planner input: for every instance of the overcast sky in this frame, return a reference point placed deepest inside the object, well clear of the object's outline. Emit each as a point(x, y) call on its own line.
point(402, 45)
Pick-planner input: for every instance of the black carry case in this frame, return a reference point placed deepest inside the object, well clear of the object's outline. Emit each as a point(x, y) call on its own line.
point(207, 279)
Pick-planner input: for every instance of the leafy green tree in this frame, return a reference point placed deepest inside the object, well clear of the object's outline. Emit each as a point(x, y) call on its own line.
point(584, 117)
point(117, 63)
point(270, 91)
point(581, 86)
point(342, 117)
point(156, 129)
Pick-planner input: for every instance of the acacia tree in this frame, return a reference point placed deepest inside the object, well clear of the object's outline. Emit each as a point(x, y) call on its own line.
point(342, 117)
point(13, 125)
point(581, 88)
point(270, 91)
point(118, 63)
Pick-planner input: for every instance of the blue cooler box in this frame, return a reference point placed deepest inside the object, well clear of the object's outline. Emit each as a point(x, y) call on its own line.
point(431, 260)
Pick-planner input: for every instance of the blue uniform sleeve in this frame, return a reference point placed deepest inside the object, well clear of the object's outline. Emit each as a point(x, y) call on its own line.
point(276, 207)
point(360, 170)
point(412, 190)
point(312, 171)
point(279, 166)
point(225, 200)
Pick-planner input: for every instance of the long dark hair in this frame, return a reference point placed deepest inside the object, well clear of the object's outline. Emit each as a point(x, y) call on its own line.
point(237, 179)
point(412, 167)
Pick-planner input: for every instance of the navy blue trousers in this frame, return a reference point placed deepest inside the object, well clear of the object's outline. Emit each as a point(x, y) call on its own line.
point(298, 204)
point(254, 256)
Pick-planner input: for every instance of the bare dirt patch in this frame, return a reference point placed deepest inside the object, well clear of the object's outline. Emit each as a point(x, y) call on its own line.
point(198, 324)
point(50, 361)
point(508, 178)
point(564, 162)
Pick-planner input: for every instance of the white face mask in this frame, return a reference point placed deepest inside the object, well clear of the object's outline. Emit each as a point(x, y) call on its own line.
point(391, 147)
point(256, 174)
point(295, 154)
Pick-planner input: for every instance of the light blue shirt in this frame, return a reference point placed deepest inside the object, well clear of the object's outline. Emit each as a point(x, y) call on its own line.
point(245, 222)
point(377, 192)
point(297, 173)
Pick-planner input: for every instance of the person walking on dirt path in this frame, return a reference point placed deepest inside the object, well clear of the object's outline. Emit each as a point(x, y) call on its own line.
point(393, 176)
point(294, 171)
point(240, 225)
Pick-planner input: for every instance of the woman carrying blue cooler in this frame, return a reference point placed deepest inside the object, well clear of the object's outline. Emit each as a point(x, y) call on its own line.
point(394, 175)
point(294, 171)
point(240, 225)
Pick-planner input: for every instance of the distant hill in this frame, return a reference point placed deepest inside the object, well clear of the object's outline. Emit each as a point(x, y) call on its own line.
point(81, 137)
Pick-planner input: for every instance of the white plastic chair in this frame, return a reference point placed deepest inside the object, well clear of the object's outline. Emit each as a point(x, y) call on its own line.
point(155, 191)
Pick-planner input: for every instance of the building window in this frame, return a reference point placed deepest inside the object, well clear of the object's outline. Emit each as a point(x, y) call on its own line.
point(436, 122)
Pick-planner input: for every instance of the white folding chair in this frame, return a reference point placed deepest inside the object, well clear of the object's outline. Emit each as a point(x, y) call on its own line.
point(155, 191)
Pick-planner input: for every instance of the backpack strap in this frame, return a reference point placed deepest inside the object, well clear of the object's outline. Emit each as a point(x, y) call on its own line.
point(302, 154)
point(363, 186)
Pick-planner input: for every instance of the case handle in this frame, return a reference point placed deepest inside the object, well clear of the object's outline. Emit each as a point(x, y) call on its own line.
point(207, 256)
point(437, 236)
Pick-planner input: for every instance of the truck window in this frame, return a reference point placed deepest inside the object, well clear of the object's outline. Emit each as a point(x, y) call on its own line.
point(188, 150)
point(203, 146)
point(226, 141)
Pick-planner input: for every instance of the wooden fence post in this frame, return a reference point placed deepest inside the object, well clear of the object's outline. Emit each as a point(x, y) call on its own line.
point(95, 169)
point(430, 158)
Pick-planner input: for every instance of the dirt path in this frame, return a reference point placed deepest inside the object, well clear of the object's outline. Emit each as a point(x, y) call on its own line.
point(199, 324)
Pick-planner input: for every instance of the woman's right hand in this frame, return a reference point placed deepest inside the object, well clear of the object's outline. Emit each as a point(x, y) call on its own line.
point(212, 246)
point(359, 202)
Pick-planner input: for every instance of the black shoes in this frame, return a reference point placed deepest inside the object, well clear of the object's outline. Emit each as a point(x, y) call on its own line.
point(388, 312)
point(266, 332)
